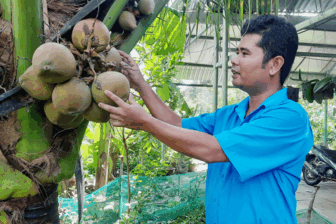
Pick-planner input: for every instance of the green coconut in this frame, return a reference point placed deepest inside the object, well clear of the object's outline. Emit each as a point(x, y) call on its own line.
point(96, 114)
point(34, 85)
point(113, 81)
point(74, 123)
point(56, 63)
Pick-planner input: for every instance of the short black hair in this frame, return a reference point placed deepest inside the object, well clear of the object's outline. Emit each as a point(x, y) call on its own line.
point(279, 38)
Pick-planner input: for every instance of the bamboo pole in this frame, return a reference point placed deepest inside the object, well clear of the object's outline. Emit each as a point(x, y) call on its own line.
point(7, 9)
point(114, 12)
point(139, 32)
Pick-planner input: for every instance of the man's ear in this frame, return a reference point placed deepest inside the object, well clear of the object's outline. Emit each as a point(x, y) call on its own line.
point(276, 65)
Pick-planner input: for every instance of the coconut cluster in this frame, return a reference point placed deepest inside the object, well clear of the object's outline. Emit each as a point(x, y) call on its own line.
point(71, 77)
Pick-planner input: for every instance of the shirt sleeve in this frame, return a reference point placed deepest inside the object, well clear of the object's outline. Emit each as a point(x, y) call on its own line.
point(265, 143)
point(204, 123)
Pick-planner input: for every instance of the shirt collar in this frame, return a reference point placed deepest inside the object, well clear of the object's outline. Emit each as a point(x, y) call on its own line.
point(274, 99)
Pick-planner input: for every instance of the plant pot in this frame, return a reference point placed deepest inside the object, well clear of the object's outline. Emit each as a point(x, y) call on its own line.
point(170, 170)
point(293, 93)
point(192, 168)
point(328, 91)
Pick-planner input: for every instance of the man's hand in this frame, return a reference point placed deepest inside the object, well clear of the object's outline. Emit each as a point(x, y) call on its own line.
point(131, 70)
point(130, 115)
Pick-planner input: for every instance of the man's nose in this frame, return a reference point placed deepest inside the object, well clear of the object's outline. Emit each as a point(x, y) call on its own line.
point(234, 61)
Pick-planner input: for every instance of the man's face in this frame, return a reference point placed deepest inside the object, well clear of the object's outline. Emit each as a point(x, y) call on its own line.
point(248, 73)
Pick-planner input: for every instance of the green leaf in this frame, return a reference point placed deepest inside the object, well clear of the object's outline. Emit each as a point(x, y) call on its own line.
point(322, 83)
point(163, 92)
point(85, 151)
point(310, 93)
point(318, 97)
point(168, 34)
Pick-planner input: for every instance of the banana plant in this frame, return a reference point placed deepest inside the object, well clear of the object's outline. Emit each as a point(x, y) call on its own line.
point(34, 157)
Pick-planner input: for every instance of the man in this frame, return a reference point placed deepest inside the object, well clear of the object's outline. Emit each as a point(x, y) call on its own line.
point(256, 148)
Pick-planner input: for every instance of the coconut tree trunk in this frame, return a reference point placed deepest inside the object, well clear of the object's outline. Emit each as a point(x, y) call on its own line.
point(34, 156)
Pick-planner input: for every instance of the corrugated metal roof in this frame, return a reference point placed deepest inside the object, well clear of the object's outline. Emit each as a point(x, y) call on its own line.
point(202, 51)
point(288, 6)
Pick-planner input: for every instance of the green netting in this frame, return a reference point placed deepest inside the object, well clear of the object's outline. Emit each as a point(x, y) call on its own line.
point(316, 218)
point(155, 200)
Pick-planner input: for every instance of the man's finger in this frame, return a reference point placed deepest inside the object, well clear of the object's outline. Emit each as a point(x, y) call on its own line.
point(108, 108)
point(117, 123)
point(115, 117)
point(131, 99)
point(124, 55)
point(115, 98)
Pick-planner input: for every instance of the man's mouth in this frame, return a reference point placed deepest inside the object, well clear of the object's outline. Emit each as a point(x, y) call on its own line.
point(234, 73)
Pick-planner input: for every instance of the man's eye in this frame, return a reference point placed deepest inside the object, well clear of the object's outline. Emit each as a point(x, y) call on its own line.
point(245, 53)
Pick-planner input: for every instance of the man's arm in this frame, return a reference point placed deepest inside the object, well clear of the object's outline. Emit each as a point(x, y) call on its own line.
point(192, 143)
point(157, 107)
point(196, 144)
point(153, 102)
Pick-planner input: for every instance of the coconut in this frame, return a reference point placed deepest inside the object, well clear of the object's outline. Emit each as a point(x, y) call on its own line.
point(82, 31)
point(56, 117)
point(146, 7)
point(74, 123)
point(113, 57)
point(56, 63)
point(34, 86)
point(127, 21)
point(72, 97)
point(96, 114)
point(113, 81)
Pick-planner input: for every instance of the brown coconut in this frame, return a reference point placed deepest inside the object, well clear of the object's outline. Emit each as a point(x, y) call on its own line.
point(57, 118)
point(96, 114)
point(56, 63)
point(113, 57)
point(113, 81)
point(34, 86)
point(72, 97)
point(82, 31)
point(127, 21)
point(146, 7)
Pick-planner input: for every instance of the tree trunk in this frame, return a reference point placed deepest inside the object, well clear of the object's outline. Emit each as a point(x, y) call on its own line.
point(101, 171)
point(34, 154)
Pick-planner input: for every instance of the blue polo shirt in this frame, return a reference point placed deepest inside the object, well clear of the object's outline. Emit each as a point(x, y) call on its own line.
point(266, 150)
